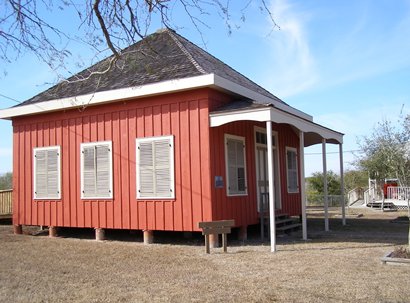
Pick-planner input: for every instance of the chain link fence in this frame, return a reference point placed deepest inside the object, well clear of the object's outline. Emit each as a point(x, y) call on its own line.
point(319, 200)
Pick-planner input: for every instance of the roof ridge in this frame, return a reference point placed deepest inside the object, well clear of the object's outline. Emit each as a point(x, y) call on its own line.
point(186, 52)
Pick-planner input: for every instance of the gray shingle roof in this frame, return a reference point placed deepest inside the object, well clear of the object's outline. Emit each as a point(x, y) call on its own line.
point(162, 56)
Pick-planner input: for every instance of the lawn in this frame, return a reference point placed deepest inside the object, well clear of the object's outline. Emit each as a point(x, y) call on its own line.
point(342, 265)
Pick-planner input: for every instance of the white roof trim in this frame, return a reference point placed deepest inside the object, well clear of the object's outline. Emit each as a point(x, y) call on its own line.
point(248, 93)
point(171, 86)
point(109, 96)
point(274, 115)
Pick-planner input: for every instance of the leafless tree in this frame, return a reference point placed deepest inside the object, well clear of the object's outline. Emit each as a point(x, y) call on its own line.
point(32, 25)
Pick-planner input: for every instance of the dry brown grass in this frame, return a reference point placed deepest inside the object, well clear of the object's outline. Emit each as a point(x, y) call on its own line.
point(340, 266)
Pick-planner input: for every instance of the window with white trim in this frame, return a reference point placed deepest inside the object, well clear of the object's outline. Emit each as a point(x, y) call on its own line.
point(96, 170)
point(292, 170)
point(235, 165)
point(155, 168)
point(47, 175)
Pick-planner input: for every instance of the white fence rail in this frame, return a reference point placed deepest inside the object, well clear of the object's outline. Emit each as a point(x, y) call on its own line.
point(318, 200)
point(398, 193)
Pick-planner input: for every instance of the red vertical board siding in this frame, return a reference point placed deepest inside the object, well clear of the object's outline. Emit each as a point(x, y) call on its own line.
point(168, 209)
point(87, 203)
point(142, 210)
point(71, 181)
point(185, 167)
point(108, 134)
point(28, 183)
point(116, 151)
point(27, 167)
point(132, 135)
point(125, 164)
point(34, 206)
point(65, 166)
point(243, 209)
point(195, 169)
point(205, 160)
point(102, 205)
point(77, 154)
point(199, 157)
point(290, 201)
point(52, 205)
point(16, 169)
point(175, 130)
point(157, 208)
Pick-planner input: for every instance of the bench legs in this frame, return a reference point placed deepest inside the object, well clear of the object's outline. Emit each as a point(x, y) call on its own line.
point(224, 241)
point(207, 249)
point(212, 240)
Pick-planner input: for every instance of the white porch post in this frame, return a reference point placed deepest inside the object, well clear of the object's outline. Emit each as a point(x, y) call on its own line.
point(325, 194)
point(302, 187)
point(271, 187)
point(342, 184)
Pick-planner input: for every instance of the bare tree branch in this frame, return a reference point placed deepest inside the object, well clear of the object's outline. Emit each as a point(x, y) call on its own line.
point(103, 25)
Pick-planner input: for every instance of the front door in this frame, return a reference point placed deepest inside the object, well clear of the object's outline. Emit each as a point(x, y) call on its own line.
point(262, 179)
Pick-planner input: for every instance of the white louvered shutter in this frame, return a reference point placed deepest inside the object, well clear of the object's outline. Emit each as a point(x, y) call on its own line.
point(155, 169)
point(162, 162)
point(89, 176)
point(103, 170)
point(47, 173)
point(145, 164)
point(96, 170)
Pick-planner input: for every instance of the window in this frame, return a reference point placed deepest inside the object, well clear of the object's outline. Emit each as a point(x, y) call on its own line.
point(96, 170)
point(235, 165)
point(292, 170)
point(261, 138)
point(47, 180)
point(155, 168)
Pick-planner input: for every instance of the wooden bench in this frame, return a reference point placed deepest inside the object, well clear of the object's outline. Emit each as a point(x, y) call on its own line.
point(216, 228)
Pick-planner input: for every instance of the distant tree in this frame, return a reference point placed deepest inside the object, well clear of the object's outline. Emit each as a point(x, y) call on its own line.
point(355, 178)
point(386, 152)
point(6, 181)
point(316, 183)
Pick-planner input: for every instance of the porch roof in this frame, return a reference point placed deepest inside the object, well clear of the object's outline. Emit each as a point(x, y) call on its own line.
point(253, 111)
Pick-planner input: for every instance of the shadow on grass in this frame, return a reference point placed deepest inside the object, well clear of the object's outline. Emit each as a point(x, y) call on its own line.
point(359, 230)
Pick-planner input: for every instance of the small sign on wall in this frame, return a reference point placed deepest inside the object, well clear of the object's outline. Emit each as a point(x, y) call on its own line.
point(219, 182)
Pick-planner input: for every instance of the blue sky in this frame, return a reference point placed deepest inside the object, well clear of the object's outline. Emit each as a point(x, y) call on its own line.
point(346, 63)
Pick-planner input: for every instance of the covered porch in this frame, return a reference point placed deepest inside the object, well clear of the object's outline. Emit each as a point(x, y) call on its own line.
point(308, 133)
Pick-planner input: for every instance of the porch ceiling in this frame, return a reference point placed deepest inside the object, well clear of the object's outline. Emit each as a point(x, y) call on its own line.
point(253, 111)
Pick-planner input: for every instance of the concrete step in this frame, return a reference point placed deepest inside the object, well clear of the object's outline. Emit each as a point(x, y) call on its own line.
point(289, 227)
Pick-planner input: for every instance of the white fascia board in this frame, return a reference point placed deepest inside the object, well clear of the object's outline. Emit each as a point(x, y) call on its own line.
point(171, 86)
point(305, 126)
point(277, 116)
point(248, 93)
point(258, 114)
point(110, 96)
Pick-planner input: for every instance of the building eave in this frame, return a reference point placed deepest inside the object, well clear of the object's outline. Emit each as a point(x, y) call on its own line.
point(269, 113)
point(171, 86)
